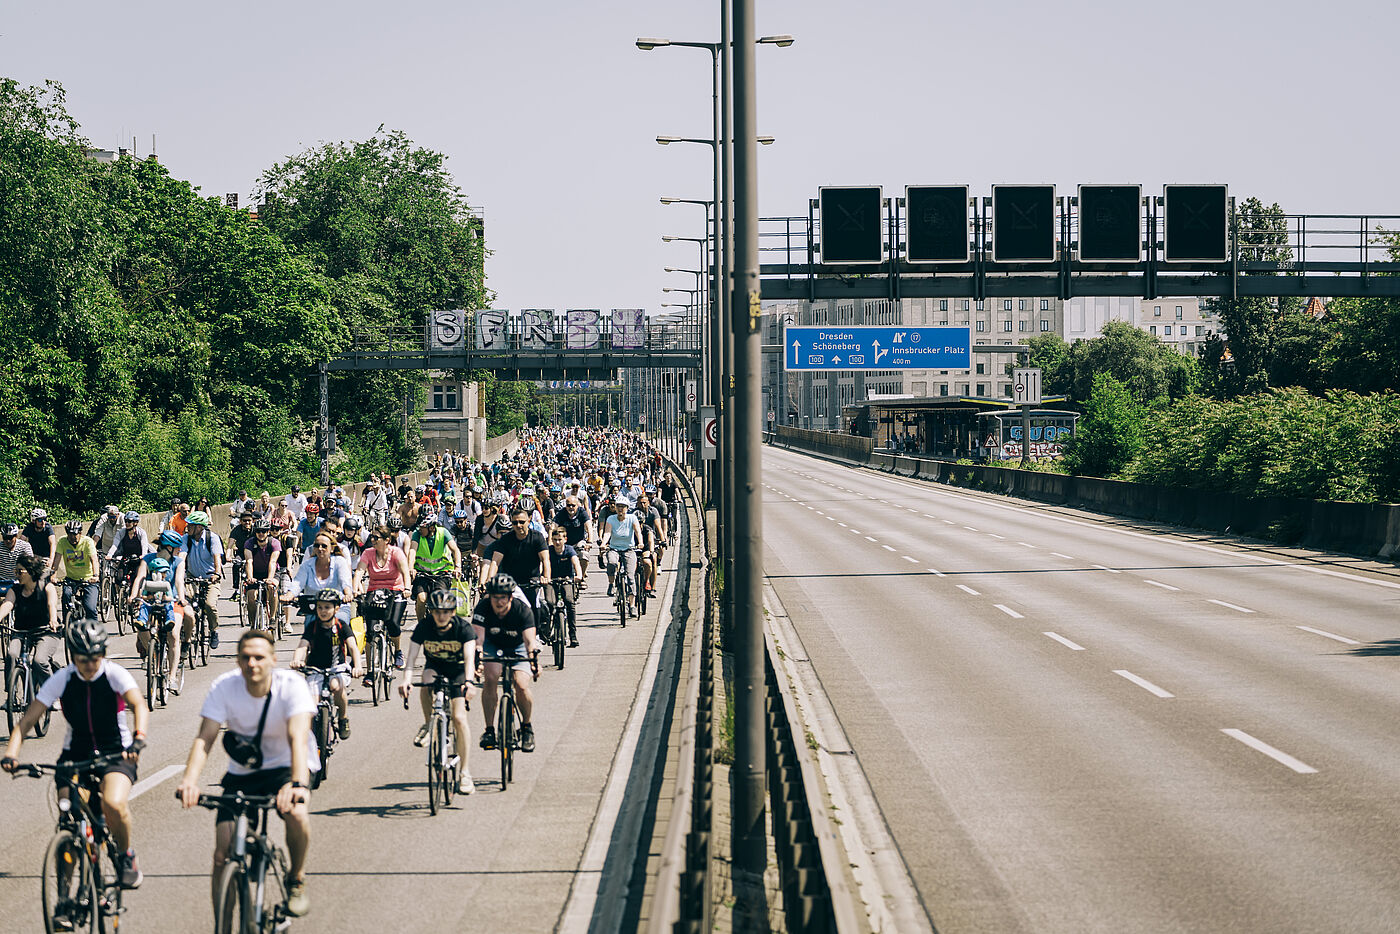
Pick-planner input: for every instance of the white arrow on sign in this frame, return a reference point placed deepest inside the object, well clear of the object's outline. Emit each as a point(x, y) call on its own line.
point(795, 357)
point(878, 352)
point(835, 359)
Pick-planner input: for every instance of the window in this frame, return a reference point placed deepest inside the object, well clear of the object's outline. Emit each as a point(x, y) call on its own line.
point(1006, 325)
point(943, 389)
point(1006, 305)
point(1167, 331)
point(943, 304)
point(1157, 311)
point(1044, 325)
point(1022, 305)
point(981, 368)
point(1200, 330)
point(944, 322)
point(1006, 390)
point(1024, 326)
point(962, 389)
point(981, 389)
point(981, 326)
point(967, 304)
point(981, 305)
point(1152, 330)
point(445, 398)
point(1045, 304)
point(1178, 312)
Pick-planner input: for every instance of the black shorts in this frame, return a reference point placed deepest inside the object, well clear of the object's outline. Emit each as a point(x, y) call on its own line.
point(263, 782)
point(456, 679)
point(426, 583)
point(121, 765)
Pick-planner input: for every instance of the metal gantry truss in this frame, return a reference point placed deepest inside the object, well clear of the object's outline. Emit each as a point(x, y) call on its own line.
point(1325, 255)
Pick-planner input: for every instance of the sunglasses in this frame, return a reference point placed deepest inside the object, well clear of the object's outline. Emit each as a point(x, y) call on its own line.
point(319, 545)
point(522, 523)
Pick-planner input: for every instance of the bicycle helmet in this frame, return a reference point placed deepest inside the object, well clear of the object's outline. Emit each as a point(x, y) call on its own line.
point(262, 525)
point(158, 566)
point(394, 524)
point(477, 490)
point(198, 518)
point(313, 509)
point(442, 600)
point(87, 637)
point(169, 539)
point(328, 595)
point(500, 584)
point(460, 514)
point(427, 518)
point(36, 514)
point(9, 530)
point(111, 510)
point(620, 500)
point(73, 525)
point(132, 516)
point(354, 524)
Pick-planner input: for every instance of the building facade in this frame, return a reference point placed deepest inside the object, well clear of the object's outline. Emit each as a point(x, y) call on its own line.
point(455, 417)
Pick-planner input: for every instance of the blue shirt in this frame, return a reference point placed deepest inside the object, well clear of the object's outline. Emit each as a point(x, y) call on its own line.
point(199, 555)
point(308, 529)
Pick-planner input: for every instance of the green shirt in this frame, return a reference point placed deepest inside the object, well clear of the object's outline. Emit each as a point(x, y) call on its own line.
point(80, 560)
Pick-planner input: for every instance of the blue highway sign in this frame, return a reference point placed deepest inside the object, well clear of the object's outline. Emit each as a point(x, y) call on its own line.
point(877, 348)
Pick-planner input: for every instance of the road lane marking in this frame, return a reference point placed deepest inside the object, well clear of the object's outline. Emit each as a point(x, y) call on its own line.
point(869, 539)
point(927, 516)
point(1160, 584)
point(996, 536)
point(935, 572)
point(1143, 683)
point(830, 518)
point(1302, 768)
point(1108, 569)
point(969, 528)
point(949, 522)
point(1026, 544)
point(856, 531)
point(887, 547)
point(911, 560)
point(966, 589)
point(1329, 635)
point(1233, 606)
point(146, 784)
point(1066, 557)
point(1063, 641)
point(1008, 611)
point(843, 525)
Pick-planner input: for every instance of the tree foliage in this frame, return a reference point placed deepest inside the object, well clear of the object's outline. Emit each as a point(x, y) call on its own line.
point(1148, 368)
point(1109, 434)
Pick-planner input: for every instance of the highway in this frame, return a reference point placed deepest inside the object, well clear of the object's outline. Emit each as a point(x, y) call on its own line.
point(529, 858)
point(1074, 723)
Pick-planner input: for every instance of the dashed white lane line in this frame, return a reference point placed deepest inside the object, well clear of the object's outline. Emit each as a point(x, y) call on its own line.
point(966, 589)
point(830, 518)
point(1160, 584)
point(1008, 611)
point(1066, 557)
point(949, 522)
point(1108, 569)
point(146, 784)
point(869, 539)
point(1329, 635)
point(969, 528)
point(927, 516)
point(1143, 683)
point(1302, 768)
point(935, 572)
point(1232, 606)
point(996, 536)
point(856, 531)
point(843, 525)
point(911, 560)
point(1063, 641)
point(1025, 544)
point(887, 547)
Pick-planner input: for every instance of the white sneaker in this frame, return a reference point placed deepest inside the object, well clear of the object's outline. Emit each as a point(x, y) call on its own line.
point(465, 785)
point(422, 738)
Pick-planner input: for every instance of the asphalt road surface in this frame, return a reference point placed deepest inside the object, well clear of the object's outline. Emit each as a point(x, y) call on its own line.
point(1081, 724)
point(504, 860)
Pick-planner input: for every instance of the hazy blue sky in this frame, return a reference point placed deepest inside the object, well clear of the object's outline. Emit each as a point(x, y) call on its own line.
point(548, 112)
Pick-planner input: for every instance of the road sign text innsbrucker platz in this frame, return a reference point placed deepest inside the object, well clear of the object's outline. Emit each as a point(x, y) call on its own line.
point(877, 348)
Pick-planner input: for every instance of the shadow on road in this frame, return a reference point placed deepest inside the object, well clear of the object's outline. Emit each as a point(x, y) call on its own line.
point(1387, 647)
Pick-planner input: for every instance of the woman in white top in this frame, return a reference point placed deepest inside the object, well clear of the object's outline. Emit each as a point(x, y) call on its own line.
point(326, 568)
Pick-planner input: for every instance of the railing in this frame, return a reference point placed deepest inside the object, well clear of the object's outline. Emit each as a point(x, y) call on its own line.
point(526, 333)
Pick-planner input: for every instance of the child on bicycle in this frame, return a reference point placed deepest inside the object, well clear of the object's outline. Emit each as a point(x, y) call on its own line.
point(327, 643)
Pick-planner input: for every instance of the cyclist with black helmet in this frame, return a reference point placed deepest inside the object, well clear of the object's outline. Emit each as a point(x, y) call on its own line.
point(77, 554)
point(523, 553)
point(40, 536)
point(505, 630)
point(260, 568)
point(449, 646)
point(95, 695)
point(329, 643)
point(131, 541)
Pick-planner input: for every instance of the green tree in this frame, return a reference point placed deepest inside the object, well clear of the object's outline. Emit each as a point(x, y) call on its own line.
point(1148, 368)
point(1110, 432)
point(1052, 355)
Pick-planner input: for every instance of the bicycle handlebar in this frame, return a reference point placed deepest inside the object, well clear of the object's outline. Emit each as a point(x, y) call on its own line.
point(238, 801)
point(38, 769)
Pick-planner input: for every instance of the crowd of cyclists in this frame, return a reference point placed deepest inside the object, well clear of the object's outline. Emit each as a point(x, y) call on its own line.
point(475, 550)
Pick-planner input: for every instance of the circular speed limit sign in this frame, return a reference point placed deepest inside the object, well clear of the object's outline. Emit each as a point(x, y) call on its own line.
point(712, 431)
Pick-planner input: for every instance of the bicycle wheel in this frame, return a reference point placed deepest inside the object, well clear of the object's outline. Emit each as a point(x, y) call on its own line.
point(561, 625)
point(446, 779)
point(505, 731)
point(641, 592)
point(211, 622)
point(120, 610)
point(15, 692)
point(152, 664)
point(621, 596)
point(69, 885)
point(434, 777)
point(322, 728)
point(232, 901)
point(243, 611)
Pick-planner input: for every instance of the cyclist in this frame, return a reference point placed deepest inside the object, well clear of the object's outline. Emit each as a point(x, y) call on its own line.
point(166, 563)
point(131, 541)
point(106, 528)
point(238, 539)
point(204, 559)
point(621, 534)
point(260, 566)
point(449, 645)
point(295, 502)
point(12, 548)
point(505, 628)
point(308, 526)
point(326, 568)
point(522, 554)
point(670, 490)
point(326, 643)
point(577, 524)
point(78, 555)
point(565, 564)
point(40, 536)
point(384, 566)
point(435, 560)
point(34, 604)
point(271, 751)
point(95, 695)
point(653, 539)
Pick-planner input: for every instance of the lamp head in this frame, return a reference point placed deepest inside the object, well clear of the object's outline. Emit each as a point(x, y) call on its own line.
point(646, 45)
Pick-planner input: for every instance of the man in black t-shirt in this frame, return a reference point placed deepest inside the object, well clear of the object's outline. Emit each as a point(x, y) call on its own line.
point(448, 643)
point(505, 627)
point(522, 553)
point(40, 535)
point(326, 644)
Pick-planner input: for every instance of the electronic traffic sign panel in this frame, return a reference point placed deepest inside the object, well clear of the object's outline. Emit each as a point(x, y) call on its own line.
point(1197, 220)
point(1023, 223)
point(1110, 223)
point(877, 348)
point(852, 225)
point(937, 224)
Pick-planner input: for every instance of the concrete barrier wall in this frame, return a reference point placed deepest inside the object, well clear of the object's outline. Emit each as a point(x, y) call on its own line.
point(1357, 528)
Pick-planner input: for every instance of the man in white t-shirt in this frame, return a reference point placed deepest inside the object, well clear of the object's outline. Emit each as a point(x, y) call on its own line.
point(286, 752)
point(296, 502)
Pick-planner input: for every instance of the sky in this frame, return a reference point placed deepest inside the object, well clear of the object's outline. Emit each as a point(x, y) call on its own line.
point(548, 112)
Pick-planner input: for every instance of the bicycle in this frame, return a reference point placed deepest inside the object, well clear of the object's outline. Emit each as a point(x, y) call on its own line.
point(74, 885)
point(442, 768)
point(19, 680)
point(257, 618)
point(108, 595)
point(559, 595)
point(508, 712)
point(623, 584)
point(641, 587)
point(206, 619)
point(245, 903)
point(375, 608)
point(323, 722)
point(157, 663)
point(72, 608)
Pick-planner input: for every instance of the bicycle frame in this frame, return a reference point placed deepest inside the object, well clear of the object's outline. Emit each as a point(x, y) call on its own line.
point(253, 853)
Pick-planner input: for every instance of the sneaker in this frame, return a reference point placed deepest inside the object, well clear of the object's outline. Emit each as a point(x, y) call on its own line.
point(297, 902)
point(343, 727)
point(527, 738)
point(61, 921)
point(573, 643)
point(398, 658)
point(465, 785)
point(422, 738)
point(213, 639)
point(129, 871)
point(488, 738)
